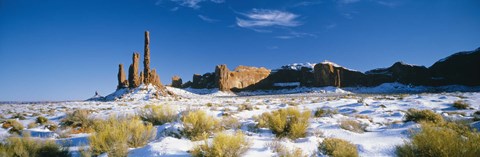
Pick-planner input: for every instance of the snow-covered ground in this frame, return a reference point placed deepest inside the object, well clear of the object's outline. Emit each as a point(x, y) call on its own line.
point(377, 108)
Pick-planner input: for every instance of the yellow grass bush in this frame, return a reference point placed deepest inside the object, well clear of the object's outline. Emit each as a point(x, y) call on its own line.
point(352, 125)
point(197, 124)
point(335, 147)
point(461, 104)
point(423, 116)
point(158, 114)
point(27, 147)
point(41, 120)
point(78, 120)
point(284, 151)
point(441, 140)
point(288, 122)
point(116, 134)
point(223, 145)
point(14, 125)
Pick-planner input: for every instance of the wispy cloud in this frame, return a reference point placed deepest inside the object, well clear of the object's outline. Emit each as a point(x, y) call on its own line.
point(195, 4)
point(295, 34)
point(266, 18)
point(207, 19)
point(306, 3)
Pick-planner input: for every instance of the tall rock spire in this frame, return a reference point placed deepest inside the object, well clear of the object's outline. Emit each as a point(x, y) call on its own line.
point(133, 78)
point(122, 81)
point(146, 60)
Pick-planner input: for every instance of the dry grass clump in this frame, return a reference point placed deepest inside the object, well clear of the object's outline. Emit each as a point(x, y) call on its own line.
point(352, 125)
point(288, 122)
point(158, 114)
point(338, 148)
point(284, 151)
point(18, 116)
point(28, 147)
point(14, 125)
point(223, 145)
point(116, 134)
point(243, 107)
point(41, 120)
point(423, 116)
point(442, 140)
point(459, 104)
point(78, 120)
point(197, 125)
point(325, 112)
point(230, 123)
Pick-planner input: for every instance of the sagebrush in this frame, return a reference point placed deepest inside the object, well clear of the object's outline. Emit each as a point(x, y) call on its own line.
point(223, 145)
point(441, 140)
point(197, 124)
point(336, 147)
point(158, 114)
point(288, 122)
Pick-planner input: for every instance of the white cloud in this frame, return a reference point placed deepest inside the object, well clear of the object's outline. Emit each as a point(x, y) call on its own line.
point(195, 4)
point(295, 34)
point(207, 19)
point(306, 3)
point(266, 18)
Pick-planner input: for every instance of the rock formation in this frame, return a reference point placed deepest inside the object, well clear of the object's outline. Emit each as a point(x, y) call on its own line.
point(146, 60)
point(460, 68)
point(206, 80)
point(122, 81)
point(221, 77)
point(177, 82)
point(403, 73)
point(326, 75)
point(241, 78)
point(133, 78)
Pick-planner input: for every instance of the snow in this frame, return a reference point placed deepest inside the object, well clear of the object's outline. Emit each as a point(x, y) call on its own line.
point(382, 104)
point(298, 66)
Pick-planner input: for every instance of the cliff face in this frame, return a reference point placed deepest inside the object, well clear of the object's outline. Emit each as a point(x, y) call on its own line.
point(241, 78)
point(460, 68)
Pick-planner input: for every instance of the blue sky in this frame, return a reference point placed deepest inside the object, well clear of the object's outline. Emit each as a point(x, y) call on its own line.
point(67, 50)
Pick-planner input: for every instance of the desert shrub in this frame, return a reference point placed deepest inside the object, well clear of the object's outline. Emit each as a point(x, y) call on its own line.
point(288, 122)
point(14, 125)
point(158, 114)
point(198, 124)
point(223, 145)
point(423, 115)
point(28, 147)
point(243, 107)
point(78, 120)
point(116, 134)
point(461, 104)
point(352, 125)
point(230, 123)
point(284, 151)
point(41, 120)
point(32, 125)
point(262, 120)
point(338, 148)
point(324, 112)
point(441, 140)
point(51, 126)
point(18, 116)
